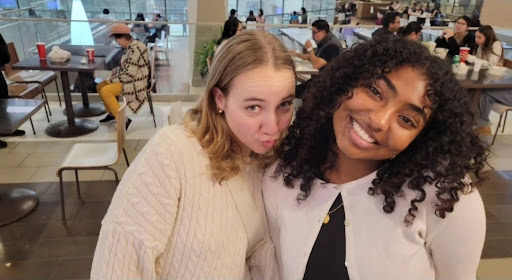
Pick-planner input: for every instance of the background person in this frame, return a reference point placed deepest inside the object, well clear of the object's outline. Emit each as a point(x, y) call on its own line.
point(460, 37)
point(130, 79)
point(412, 31)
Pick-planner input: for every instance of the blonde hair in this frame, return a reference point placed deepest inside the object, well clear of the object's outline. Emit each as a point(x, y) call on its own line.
point(243, 52)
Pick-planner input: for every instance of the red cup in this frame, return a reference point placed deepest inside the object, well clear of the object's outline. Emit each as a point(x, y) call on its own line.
point(90, 54)
point(462, 51)
point(41, 50)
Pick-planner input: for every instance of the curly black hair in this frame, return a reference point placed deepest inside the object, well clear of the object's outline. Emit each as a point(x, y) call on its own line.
point(442, 154)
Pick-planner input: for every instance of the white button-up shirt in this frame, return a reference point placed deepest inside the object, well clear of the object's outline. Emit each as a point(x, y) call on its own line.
point(378, 245)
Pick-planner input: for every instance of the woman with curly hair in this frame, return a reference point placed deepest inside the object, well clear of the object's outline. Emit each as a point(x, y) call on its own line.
point(373, 172)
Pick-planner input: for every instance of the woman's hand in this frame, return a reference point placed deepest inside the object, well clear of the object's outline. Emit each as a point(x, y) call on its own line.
point(464, 56)
point(447, 33)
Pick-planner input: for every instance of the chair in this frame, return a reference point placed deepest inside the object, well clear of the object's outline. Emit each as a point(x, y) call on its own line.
point(43, 78)
point(501, 109)
point(90, 156)
point(152, 57)
point(251, 25)
point(162, 45)
point(27, 91)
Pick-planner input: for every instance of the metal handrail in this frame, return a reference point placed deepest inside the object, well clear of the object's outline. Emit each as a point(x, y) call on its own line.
point(266, 25)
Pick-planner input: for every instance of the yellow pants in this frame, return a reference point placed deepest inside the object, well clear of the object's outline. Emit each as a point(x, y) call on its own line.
point(108, 93)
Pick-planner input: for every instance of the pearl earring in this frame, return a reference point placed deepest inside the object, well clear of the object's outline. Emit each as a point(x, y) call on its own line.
point(221, 111)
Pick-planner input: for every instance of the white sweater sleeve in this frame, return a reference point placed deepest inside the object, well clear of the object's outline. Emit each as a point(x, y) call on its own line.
point(456, 242)
point(141, 217)
point(494, 57)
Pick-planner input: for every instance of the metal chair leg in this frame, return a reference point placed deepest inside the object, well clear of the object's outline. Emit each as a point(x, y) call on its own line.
point(46, 98)
point(150, 101)
point(497, 128)
point(58, 93)
point(126, 158)
point(62, 207)
point(77, 184)
point(46, 113)
point(32, 124)
point(115, 174)
point(504, 121)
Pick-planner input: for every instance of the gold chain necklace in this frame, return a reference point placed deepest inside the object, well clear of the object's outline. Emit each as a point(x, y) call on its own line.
point(327, 217)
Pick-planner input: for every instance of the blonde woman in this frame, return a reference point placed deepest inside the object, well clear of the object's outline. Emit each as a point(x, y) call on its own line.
point(190, 206)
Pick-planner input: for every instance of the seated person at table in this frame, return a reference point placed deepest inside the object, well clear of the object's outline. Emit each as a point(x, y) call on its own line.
point(140, 17)
point(390, 25)
point(489, 52)
point(159, 27)
point(411, 32)
point(130, 79)
point(454, 39)
point(328, 48)
point(232, 26)
point(294, 18)
point(251, 17)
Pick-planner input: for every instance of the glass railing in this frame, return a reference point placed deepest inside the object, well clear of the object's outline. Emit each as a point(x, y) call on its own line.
point(186, 42)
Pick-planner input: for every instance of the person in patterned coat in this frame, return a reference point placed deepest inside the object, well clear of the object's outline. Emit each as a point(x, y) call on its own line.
point(130, 79)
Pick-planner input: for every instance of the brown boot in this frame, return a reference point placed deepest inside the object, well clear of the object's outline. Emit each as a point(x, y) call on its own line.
point(484, 130)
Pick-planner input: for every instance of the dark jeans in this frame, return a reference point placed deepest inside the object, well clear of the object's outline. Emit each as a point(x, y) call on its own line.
point(4, 90)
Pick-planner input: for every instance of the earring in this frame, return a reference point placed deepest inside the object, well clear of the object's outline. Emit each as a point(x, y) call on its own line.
point(221, 111)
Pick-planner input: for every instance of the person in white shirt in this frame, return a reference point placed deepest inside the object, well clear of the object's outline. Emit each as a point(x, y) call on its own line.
point(190, 205)
point(488, 53)
point(372, 179)
point(489, 49)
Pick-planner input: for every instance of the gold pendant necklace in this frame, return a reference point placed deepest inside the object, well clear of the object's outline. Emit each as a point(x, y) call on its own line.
point(327, 217)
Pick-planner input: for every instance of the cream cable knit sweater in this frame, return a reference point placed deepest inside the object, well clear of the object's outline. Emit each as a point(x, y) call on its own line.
point(169, 220)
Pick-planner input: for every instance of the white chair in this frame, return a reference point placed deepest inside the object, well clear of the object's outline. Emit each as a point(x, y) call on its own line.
point(90, 156)
point(502, 110)
point(162, 46)
point(413, 18)
point(251, 25)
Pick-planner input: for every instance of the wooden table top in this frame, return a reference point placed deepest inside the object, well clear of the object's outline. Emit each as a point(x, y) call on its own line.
point(79, 50)
point(304, 67)
point(16, 111)
point(484, 80)
point(73, 64)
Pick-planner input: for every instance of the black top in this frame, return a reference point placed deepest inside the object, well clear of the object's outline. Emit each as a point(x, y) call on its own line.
point(327, 259)
point(4, 52)
point(452, 45)
point(251, 18)
point(382, 32)
point(329, 48)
